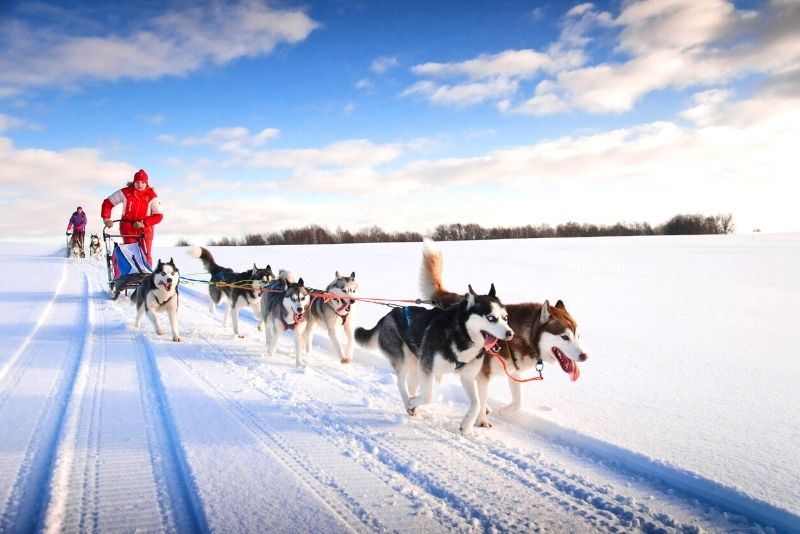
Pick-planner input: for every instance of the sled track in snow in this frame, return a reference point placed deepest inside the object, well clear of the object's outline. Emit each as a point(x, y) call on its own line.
point(33, 458)
point(118, 468)
point(528, 479)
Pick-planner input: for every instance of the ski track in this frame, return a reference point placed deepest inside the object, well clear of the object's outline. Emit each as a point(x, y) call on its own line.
point(116, 441)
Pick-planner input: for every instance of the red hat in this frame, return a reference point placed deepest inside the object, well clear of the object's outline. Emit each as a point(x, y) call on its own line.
point(140, 176)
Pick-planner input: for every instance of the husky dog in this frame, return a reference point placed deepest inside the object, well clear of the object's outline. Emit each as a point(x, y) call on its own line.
point(422, 342)
point(334, 311)
point(542, 331)
point(283, 308)
point(239, 289)
point(156, 293)
point(95, 247)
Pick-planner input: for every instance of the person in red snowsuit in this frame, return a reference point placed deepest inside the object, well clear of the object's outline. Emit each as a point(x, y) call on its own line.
point(140, 213)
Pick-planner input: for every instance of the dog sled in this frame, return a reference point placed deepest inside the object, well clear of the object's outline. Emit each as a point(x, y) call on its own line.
point(74, 247)
point(126, 262)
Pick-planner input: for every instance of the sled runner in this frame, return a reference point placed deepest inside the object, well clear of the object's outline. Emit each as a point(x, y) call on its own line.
point(126, 262)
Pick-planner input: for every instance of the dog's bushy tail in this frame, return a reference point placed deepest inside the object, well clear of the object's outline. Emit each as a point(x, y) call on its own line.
point(204, 255)
point(367, 338)
point(430, 272)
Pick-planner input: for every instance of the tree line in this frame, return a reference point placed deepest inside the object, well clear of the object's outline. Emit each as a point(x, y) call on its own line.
point(314, 234)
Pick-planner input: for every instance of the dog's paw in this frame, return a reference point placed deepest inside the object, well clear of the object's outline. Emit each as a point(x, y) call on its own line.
point(411, 411)
point(177, 339)
point(346, 359)
point(484, 423)
point(240, 336)
point(465, 431)
point(160, 331)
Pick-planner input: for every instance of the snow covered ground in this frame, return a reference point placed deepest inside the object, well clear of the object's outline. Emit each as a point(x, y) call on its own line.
point(685, 416)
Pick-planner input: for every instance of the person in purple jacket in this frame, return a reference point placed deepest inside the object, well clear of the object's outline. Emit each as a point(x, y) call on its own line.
point(77, 223)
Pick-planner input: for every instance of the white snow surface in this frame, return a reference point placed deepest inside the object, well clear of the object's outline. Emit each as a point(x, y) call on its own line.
point(684, 419)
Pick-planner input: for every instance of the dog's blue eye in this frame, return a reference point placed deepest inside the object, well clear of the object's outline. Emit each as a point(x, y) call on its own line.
point(491, 318)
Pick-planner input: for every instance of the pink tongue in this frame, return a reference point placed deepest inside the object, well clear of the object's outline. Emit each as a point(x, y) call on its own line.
point(489, 342)
point(575, 372)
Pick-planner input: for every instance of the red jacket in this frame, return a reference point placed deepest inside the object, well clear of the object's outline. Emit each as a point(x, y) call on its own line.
point(139, 206)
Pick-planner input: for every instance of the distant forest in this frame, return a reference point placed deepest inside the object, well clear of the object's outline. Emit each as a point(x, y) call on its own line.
point(317, 235)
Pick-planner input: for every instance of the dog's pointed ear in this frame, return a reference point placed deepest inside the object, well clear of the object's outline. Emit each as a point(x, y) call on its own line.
point(471, 296)
point(353, 275)
point(544, 316)
point(337, 275)
point(492, 292)
point(560, 305)
point(172, 261)
point(300, 283)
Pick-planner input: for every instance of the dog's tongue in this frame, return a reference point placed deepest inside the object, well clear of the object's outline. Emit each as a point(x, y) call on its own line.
point(298, 317)
point(567, 365)
point(166, 285)
point(576, 372)
point(489, 340)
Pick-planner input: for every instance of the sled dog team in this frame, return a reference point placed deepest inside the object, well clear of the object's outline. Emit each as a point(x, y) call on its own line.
point(466, 334)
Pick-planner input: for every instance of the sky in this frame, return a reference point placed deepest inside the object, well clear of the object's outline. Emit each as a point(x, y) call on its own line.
point(255, 116)
point(682, 420)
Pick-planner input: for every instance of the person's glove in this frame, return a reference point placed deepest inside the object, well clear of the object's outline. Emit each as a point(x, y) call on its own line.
point(108, 222)
point(138, 224)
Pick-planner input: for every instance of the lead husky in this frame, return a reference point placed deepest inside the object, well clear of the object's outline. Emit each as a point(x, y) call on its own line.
point(95, 247)
point(158, 292)
point(238, 288)
point(542, 330)
point(334, 311)
point(422, 342)
point(283, 308)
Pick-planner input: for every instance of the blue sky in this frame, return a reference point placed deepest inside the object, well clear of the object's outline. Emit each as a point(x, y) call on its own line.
point(255, 116)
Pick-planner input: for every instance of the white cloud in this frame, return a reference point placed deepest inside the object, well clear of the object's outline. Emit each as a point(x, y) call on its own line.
point(664, 44)
point(7, 122)
point(236, 140)
point(174, 43)
point(382, 64)
point(465, 94)
point(350, 154)
point(365, 84)
point(509, 64)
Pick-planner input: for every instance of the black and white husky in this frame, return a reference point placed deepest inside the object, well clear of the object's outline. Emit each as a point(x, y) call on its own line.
point(158, 292)
point(422, 343)
point(333, 312)
point(95, 247)
point(237, 288)
point(284, 308)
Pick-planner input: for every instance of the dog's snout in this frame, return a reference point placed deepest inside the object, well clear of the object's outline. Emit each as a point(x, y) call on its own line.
point(509, 334)
point(583, 357)
point(169, 280)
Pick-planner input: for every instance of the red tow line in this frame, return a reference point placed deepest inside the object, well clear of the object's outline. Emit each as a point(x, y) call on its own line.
point(539, 367)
